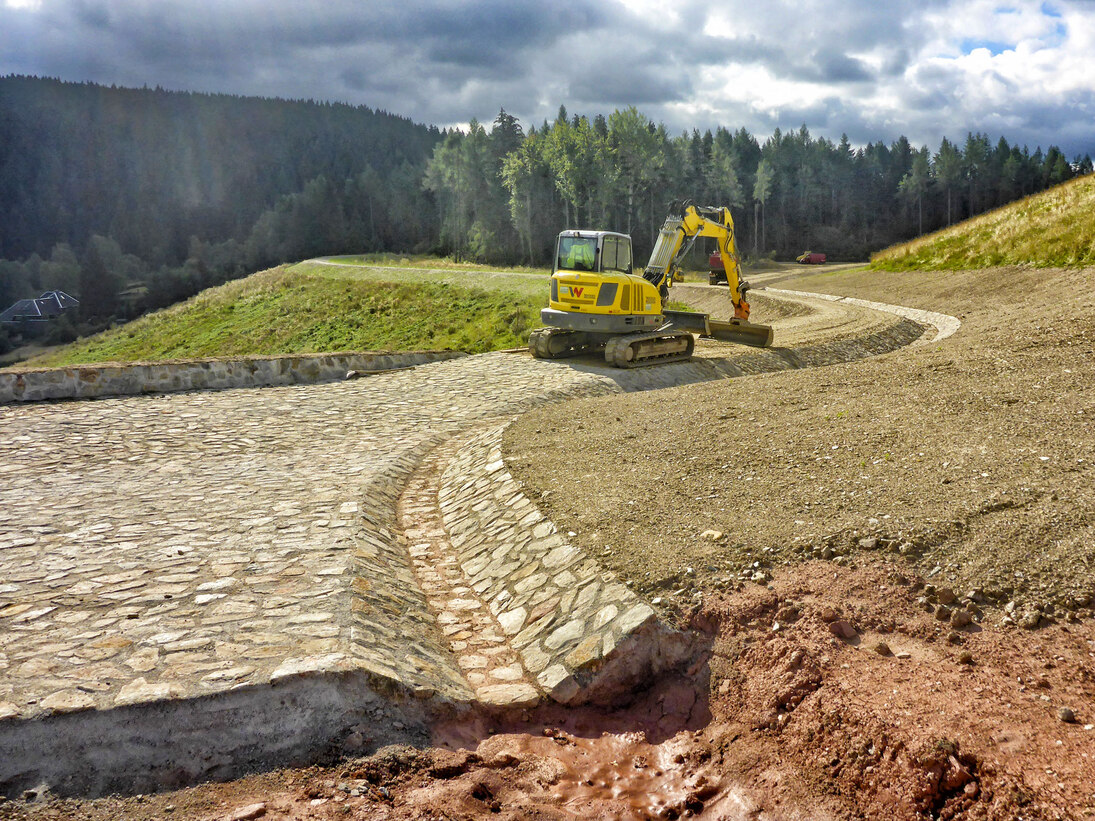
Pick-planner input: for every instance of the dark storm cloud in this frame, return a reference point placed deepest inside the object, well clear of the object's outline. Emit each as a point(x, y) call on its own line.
point(839, 68)
point(613, 85)
point(874, 70)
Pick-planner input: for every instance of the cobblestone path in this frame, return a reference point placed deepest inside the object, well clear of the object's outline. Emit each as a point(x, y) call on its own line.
point(172, 546)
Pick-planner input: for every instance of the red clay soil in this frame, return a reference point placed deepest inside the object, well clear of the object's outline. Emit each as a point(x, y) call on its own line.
point(829, 693)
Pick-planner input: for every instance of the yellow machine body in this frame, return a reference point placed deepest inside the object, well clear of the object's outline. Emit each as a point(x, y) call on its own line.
point(597, 301)
point(593, 287)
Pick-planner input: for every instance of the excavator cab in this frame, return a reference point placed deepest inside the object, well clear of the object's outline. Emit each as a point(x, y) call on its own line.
point(593, 251)
point(593, 288)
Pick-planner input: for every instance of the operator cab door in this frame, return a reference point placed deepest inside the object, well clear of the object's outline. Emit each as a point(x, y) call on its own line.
point(616, 254)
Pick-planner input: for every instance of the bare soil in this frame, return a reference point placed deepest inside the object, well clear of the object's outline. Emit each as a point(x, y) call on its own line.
point(972, 457)
point(964, 467)
point(891, 561)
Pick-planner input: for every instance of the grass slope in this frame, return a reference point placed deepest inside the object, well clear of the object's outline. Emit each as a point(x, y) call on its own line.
point(311, 308)
point(1055, 228)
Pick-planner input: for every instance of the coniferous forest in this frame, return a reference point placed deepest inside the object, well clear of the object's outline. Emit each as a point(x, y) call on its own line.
point(132, 199)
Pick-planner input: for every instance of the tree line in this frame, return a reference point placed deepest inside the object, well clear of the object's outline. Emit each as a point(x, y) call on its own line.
point(132, 199)
point(504, 194)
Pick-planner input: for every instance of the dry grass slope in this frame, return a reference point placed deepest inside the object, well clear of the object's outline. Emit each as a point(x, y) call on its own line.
point(1055, 228)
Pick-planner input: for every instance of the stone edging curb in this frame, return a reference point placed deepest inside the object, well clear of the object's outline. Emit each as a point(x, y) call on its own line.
point(944, 324)
point(88, 381)
point(581, 633)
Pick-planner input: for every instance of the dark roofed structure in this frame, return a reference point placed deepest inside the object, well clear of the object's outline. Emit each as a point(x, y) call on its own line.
point(49, 305)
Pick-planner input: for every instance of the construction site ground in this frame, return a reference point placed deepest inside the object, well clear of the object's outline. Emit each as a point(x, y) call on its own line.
point(887, 561)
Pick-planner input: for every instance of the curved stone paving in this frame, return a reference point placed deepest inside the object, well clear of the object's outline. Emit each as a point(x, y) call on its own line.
point(362, 537)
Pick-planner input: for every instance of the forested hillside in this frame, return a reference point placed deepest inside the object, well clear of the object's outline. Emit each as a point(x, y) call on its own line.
point(133, 199)
point(105, 188)
point(787, 194)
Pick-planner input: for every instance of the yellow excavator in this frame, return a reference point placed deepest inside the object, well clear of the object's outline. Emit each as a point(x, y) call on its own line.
point(598, 301)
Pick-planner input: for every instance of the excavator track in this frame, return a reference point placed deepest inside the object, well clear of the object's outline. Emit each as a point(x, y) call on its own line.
point(557, 343)
point(655, 348)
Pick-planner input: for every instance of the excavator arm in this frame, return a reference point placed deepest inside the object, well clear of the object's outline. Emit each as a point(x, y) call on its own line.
point(679, 233)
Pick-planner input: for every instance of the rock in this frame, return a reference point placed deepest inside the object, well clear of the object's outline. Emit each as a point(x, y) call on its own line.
point(882, 649)
point(869, 543)
point(68, 701)
point(961, 618)
point(842, 629)
point(942, 612)
point(1030, 620)
point(946, 596)
point(248, 813)
point(965, 657)
point(712, 535)
point(1066, 714)
point(829, 614)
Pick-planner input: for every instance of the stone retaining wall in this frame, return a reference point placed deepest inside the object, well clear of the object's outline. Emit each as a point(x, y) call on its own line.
point(83, 381)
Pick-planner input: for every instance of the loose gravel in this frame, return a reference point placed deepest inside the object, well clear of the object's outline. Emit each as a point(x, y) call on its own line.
point(970, 458)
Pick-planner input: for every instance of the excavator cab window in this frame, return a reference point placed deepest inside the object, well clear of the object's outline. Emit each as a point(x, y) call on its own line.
point(577, 254)
point(616, 255)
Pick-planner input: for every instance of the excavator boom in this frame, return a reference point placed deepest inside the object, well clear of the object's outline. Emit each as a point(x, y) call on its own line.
point(679, 232)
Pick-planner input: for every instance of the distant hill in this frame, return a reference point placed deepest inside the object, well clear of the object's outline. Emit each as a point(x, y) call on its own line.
point(152, 168)
point(1055, 228)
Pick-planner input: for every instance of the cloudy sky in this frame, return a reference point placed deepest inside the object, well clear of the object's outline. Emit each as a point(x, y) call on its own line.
point(873, 69)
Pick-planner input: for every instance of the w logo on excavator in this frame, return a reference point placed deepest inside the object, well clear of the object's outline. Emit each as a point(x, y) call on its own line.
point(576, 292)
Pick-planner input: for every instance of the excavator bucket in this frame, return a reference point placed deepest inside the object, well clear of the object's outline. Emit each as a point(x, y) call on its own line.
point(731, 330)
point(742, 332)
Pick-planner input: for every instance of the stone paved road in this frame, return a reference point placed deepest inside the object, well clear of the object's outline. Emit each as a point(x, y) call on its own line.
point(182, 544)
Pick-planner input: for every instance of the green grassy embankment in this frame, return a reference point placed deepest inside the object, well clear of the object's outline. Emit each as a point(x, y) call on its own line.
point(1053, 229)
point(312, 308)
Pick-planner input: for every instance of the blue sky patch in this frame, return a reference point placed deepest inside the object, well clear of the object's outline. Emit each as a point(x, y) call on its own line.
point(993, 46)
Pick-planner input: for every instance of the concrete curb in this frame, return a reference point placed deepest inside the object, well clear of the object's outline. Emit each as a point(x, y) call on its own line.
point(176, 743)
